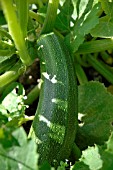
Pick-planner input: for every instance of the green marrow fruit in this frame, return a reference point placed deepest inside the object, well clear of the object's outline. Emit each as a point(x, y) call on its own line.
point(55, 121)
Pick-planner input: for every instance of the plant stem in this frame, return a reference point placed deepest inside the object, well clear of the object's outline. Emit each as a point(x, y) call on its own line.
point(25, 119)
point(50, 16)
point(100, 68)
point(12, 74)
point(95, 46)
point(80, 74)
point(106, 57)
point(39, 18)
point(80, 59)
point(22, 10)
point(15, 30)
point(33, 95)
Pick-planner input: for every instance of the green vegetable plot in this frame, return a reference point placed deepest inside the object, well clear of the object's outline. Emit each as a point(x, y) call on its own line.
point(56, 85)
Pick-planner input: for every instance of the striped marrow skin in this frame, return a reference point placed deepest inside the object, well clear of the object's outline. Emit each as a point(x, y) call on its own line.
point(55, 121)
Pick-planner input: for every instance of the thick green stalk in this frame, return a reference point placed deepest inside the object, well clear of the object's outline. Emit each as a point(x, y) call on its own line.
point(12, 74)
point(95, 46)
point(15, 30)
point(22, 10)
point(100, 68)
point(50, 16)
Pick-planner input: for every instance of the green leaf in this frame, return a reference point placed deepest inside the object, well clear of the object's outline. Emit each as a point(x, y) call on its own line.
point(4, 34)
point(96, 157)
point(80, 166)
point(62, 166)
point(19, 157)
point(3, 115)
point(90, 157)
point(104, 29)
point(83, 25)
point(81, 7)
point(95, 114)
point(107, 161)
point(64, 17)
point(6, 49)
point(13, 100)
point(3, 58)
point(91, 154)
point(107, 7)
point(6, 63)
point(3, 119)
point(95, 46)
point(21, 136)
point(7, 140)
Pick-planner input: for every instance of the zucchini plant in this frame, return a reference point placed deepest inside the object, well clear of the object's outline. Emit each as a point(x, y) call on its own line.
point(67, 39)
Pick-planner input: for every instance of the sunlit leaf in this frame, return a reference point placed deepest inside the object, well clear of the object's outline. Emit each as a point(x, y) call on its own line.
point(83, 25)
point(96, 157)
point(20, 157)
point(13, 99)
